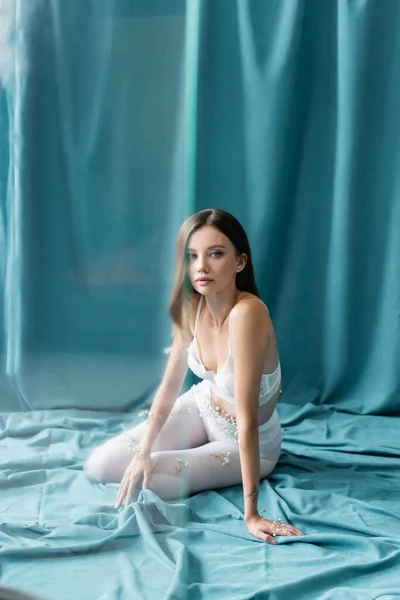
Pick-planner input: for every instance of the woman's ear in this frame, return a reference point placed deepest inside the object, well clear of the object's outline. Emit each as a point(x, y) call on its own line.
point(241, 263)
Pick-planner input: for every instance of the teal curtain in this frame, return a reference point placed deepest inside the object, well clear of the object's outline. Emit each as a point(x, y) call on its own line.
point(118, 119)
point(92, 195)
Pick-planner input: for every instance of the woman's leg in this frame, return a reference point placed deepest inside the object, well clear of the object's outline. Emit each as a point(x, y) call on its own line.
point(194, 451)
point(215, 464)
point(183, 429)
point(211, 466)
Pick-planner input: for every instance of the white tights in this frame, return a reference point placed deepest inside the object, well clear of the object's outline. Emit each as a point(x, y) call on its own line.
point(192, 452)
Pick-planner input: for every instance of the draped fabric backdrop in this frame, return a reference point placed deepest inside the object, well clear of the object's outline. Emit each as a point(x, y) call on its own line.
point(118, 119)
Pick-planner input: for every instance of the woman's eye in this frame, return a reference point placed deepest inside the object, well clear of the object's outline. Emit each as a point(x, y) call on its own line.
point(191, 256)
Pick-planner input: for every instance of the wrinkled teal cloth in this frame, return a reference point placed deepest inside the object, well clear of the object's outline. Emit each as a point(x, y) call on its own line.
point(117, 120)
point(337, 480)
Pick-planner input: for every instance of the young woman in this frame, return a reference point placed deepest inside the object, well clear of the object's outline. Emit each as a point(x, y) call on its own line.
point(225, 430)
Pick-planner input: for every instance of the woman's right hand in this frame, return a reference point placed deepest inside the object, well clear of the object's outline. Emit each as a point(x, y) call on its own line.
point(139, 466)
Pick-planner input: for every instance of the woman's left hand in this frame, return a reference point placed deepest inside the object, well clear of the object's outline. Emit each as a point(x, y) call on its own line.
point(139, 466)
point(264, 529)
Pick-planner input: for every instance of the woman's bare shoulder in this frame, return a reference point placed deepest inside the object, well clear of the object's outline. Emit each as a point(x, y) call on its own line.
point(250, 302)
point(251, 309)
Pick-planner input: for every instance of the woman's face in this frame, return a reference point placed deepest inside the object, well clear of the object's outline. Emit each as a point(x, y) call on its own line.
point(212, 260)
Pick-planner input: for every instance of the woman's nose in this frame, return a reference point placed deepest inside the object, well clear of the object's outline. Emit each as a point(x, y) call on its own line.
point(202, 265)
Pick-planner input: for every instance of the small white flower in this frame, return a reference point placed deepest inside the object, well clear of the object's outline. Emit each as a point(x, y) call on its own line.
point(181, 463)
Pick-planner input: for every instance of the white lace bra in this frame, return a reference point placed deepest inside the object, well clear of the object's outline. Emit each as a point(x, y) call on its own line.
point(223, 381)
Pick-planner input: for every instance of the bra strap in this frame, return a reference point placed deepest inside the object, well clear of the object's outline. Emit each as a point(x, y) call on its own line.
point(198, 315)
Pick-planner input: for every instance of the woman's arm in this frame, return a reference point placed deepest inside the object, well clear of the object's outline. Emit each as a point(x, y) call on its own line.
point(250, 331)
point(167, 392)
point(161, 407)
